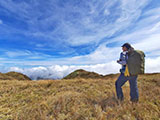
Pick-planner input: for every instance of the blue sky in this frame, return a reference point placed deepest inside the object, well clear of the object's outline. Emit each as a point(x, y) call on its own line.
point(44, 33)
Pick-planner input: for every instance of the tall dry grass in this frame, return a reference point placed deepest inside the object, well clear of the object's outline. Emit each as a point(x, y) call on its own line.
point(78, 99)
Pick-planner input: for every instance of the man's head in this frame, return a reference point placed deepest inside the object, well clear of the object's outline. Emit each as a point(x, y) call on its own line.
point(126, 47)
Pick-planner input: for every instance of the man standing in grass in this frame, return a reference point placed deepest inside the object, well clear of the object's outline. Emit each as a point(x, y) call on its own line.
point(132, 62)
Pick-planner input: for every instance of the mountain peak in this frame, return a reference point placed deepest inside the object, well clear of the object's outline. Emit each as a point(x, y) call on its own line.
point(80, 73)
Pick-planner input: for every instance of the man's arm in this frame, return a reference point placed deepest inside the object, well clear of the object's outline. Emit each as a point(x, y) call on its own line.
point(122, 62)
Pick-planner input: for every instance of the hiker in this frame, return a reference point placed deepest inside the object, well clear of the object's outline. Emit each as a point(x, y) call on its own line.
point(132, 62)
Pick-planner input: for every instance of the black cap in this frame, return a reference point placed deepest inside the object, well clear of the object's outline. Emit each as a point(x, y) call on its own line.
point(127, 45)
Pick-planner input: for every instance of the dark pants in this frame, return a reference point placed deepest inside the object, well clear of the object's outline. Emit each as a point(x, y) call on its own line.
point(134, 95)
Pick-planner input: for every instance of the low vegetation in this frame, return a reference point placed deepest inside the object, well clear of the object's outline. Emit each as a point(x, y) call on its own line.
point(13, 76)
point(78, 99)
point(83, 74)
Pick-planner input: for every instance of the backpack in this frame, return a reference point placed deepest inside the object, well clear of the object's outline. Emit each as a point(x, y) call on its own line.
point(142, 61)
point(136, 62)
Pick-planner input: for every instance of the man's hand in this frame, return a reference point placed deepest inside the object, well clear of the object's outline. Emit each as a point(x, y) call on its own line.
point(118, 60)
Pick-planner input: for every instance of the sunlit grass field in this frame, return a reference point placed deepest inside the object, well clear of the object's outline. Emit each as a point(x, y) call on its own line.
point(78, 99)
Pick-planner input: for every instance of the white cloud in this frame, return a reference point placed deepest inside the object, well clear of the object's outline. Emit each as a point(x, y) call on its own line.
point(153, 65)
point(1, 22)
point(26, 53)
point(106, 12)
point(149, 44)
point(90, 26)
point(17, 53)
point(17, 69)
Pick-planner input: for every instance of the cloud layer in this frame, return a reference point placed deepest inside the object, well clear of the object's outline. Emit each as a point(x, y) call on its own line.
point(60, 71)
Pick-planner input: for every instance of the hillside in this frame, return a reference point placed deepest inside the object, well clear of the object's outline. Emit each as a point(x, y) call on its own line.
point(78, 99)
point(83, 74)
point(13, 76)
point(6, 77)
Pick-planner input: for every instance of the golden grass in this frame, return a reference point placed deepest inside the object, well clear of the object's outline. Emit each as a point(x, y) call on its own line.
point(13, 76)
point(80, 73)
point(17, 75)
point(78, 99)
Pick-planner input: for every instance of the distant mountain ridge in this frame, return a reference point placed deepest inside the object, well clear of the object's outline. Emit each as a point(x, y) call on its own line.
point(80, 73)
point(13, 76)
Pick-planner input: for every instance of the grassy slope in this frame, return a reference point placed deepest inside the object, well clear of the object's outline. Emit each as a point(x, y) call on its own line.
point(18, 76)
point(13, 76)
point(78, 99)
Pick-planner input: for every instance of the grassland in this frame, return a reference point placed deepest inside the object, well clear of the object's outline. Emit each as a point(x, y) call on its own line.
point(78, 99)
point(13, 76)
